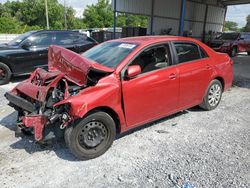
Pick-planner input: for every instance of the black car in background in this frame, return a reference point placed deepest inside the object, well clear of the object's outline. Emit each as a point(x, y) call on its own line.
point(30, 50)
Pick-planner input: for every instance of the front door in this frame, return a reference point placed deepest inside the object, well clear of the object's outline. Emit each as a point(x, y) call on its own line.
point(242, 43)
point(37, 54)
point(154, 93)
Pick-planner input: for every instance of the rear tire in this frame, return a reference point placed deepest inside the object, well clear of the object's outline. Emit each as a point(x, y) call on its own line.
point(213, 96)
point(5, 74)
point(92, 136)
point(234, 51)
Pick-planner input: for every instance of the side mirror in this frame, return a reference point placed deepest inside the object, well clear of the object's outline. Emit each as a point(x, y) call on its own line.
point(133, 71)
point(26, 45)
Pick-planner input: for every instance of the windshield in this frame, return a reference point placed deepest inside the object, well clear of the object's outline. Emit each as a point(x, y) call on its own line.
point(109, 54)
point(16, 41)
point(228, 36)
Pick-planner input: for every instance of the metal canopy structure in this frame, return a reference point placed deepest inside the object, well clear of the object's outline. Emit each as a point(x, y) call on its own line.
point(233, 2)
point(198, 16)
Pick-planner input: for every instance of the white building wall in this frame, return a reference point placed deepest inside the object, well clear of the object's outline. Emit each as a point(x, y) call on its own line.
point(167, 14)
point(166, 8)
point(216, 14)
point(161, 24)
point(195, 11)
point(134, 6)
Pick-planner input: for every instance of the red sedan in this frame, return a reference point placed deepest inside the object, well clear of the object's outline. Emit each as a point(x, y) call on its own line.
point(116, 86)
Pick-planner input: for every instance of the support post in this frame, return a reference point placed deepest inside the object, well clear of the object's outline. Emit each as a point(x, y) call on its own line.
point(182, 18)
point(152, 17)
point(224, 19)
point(204, 25)
point(47, 14)
point(65, 15)
point(114, 31)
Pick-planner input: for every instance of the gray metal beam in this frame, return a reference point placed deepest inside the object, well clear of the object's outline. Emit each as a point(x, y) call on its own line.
point(234, 2)
point(205, 24)
point(152, 17)
point(114, 32)
point(182, 17)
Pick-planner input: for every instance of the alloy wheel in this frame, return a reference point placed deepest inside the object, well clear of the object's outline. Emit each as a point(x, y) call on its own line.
point(214, 95)
point(2, 74)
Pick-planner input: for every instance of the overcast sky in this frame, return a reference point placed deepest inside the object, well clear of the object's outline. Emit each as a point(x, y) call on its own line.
point(78, 5)
point(234, 13)
point(238, 14)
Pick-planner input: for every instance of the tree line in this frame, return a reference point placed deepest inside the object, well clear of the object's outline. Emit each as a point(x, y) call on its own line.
point(233, 26)
point(26, 15)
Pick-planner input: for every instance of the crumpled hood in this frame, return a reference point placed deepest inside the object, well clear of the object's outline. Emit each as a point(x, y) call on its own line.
point(74, 66)
point(220, 41)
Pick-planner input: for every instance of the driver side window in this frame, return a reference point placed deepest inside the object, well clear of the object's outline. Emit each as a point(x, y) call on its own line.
point(153, 58)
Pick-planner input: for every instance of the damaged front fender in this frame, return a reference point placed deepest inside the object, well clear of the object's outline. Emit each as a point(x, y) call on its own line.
point(89, 99)
point(102, 95)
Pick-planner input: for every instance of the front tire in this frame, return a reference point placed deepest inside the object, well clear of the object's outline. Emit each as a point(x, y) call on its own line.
point(5, 74)
point(248, 53)
point(213, 95)
point(234, 52)
point(92, 136)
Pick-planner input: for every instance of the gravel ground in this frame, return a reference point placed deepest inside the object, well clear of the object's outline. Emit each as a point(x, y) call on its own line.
point(193, 147)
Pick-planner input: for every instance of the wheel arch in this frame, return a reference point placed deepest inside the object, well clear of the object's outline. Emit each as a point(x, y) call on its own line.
point(109, 111)
point(235, 46)
point(2, 60)
point(222, 81)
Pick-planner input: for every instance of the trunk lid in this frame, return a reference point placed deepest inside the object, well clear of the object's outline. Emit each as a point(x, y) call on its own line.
point(74, 66)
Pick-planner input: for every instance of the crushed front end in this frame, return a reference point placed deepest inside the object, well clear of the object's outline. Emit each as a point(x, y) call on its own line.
point(35, 99)
point(42, 101)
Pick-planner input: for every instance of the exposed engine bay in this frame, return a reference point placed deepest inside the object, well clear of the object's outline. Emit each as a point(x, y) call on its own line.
point(40, 109)
point(39, 100)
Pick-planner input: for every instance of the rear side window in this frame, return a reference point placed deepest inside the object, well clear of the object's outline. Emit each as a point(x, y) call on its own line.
point(243, 36)
point(91, 40)
point(189, 52)
point(203, 53)
point(71, 38)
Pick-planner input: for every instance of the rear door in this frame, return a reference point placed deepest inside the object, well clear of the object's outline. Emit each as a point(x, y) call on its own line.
point(66, 40)
point(74, 41)
point(194, 72)
point(37, 54)
point(153, 93)
point(83, 42)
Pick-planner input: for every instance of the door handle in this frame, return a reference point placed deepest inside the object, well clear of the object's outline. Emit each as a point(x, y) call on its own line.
point(172, 76)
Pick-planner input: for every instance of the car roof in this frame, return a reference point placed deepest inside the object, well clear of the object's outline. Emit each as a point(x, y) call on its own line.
point(145, 40)
point(40, 31)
